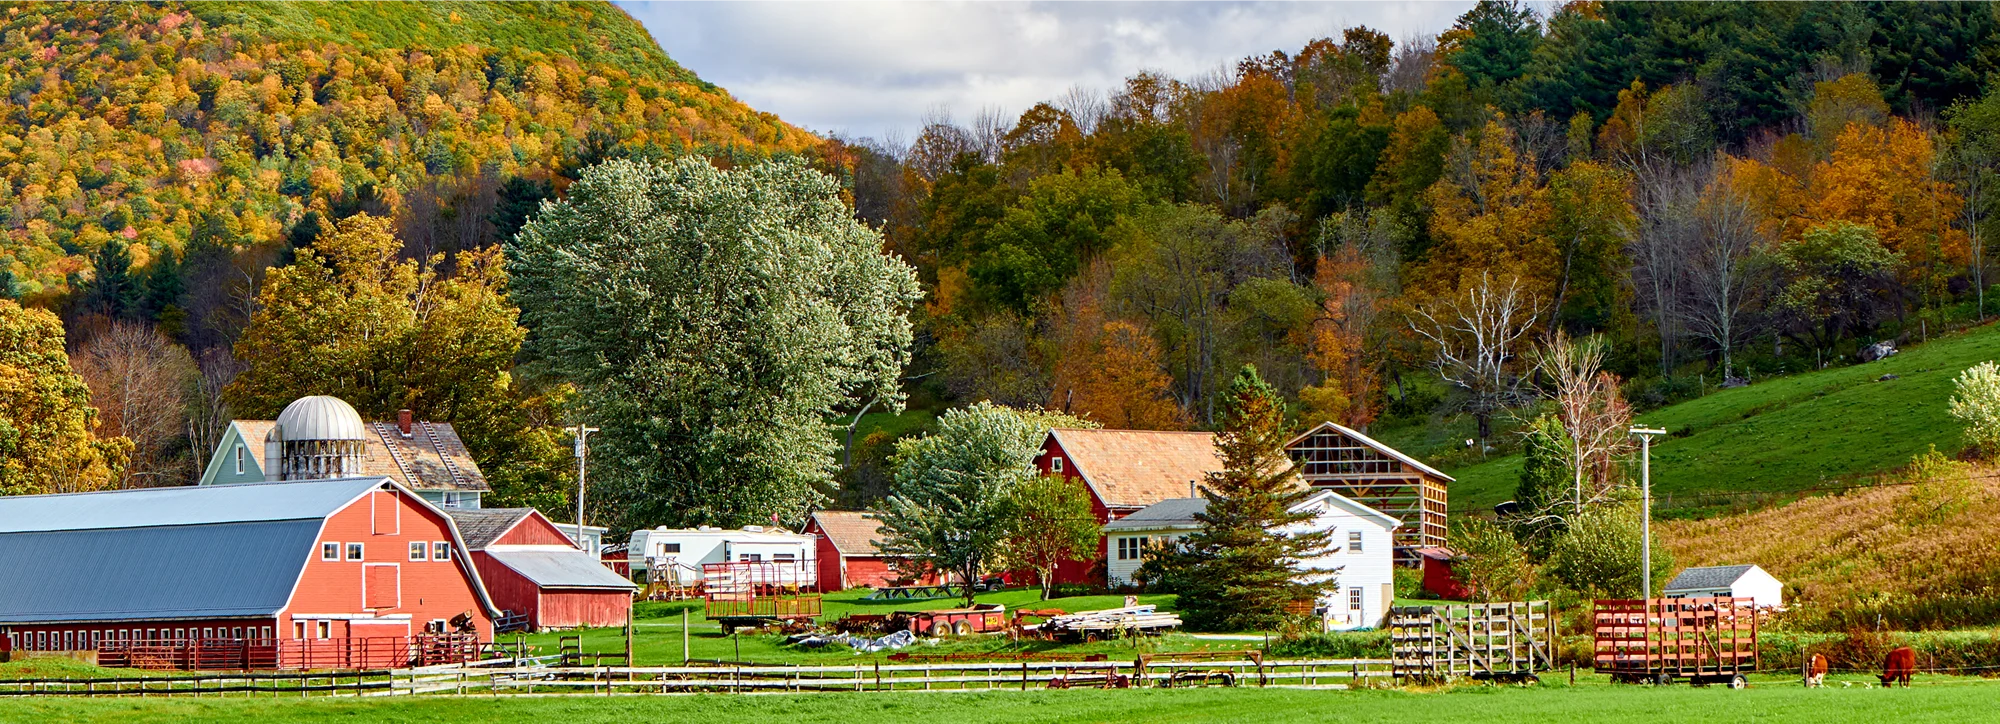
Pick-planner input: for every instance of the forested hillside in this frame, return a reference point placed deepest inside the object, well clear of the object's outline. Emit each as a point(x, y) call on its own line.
point(1391, 230)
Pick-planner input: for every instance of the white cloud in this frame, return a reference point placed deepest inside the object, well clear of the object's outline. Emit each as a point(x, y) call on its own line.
point(875, 68)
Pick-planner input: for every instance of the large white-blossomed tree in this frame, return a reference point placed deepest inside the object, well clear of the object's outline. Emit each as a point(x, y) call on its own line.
point(712, 321)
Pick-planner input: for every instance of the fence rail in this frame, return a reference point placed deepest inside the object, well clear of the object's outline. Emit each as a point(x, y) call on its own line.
point(503, 677)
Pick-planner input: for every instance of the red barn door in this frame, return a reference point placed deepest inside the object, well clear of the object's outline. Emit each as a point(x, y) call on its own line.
point(381, 585)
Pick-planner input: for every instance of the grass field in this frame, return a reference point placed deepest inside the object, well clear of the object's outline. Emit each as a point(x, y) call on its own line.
point(1789, 433)
point(1770, 699)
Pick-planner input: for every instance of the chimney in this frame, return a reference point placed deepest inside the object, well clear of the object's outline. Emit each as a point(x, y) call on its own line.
point(1192, 492)
point(403, 421)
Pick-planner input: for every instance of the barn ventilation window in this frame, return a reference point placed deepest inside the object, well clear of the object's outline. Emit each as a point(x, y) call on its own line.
point(440, 550)
point(1354, 541)
point(354, 551)
point(1055, 465)
point(329, 551)
point(239, 459)
point(419, 550)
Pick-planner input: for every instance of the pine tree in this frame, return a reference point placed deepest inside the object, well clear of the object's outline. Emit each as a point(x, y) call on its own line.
point(113, 291)
point(1240, 571)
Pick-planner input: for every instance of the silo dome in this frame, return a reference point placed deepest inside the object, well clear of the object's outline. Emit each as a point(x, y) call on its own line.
point(315, 438)
point(321, 417)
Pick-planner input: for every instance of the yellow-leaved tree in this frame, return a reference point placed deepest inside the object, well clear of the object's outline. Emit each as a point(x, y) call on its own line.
point(48, 440)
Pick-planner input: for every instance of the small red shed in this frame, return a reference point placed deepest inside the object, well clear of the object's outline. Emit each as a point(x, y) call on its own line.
point(847, 554)
point(1438, 577)
point(537, 577)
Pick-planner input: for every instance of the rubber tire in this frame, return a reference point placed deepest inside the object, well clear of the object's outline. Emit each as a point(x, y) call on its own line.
point(1664, 680)
point(962, 628)
point(1738, 682)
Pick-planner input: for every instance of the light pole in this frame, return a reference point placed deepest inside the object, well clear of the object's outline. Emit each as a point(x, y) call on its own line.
point(1646, 435)
point(582, 452)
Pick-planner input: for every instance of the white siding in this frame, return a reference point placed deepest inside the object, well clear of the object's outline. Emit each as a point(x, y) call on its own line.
point(1118, 571)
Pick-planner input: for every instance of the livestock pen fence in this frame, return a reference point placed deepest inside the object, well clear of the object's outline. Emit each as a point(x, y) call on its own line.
point(521, 677)
point(219, 654)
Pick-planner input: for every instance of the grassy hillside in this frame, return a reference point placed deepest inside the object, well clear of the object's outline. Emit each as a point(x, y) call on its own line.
point(1809, 430)
point(587, 31)
point(1852, 560)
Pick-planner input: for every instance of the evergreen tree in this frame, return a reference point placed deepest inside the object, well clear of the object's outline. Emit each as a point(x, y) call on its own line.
point(1545, 480)
point(519, 198)
point(160, 290)
point(1240, 571)
point(113, 291)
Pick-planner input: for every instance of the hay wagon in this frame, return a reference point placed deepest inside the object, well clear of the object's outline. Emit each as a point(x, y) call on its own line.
point(1702, 640)
point(1504, 642)
point(754, 594)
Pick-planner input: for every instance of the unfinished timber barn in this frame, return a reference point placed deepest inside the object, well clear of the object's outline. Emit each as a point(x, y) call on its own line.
point(1338, 458)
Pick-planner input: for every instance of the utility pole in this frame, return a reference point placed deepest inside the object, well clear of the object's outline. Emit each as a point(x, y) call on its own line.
point(1646, 435)
point(582, 453)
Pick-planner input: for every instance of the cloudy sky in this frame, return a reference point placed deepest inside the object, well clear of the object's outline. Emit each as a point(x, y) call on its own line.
point(876, 68)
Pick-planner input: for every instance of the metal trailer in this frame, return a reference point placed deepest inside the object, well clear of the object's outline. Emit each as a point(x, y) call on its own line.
point(1703, 640)
point(751, 594)
point(1505, 642)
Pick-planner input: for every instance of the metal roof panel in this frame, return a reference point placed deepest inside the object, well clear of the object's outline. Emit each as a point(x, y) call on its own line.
point(555, 567)
point(196, 571)
point(183, 505)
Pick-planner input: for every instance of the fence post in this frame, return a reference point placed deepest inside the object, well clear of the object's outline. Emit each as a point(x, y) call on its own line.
point(1024, 676)
point(878, 675)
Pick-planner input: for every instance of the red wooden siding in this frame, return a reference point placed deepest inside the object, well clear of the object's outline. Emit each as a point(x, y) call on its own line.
point(832, 570)
point(428, 590)
point(1078, 571)
point(533, 530)
point(569, 608)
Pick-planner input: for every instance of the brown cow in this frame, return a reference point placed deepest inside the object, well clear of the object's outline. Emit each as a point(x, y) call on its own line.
point(1815, 671)
point(1899, 665)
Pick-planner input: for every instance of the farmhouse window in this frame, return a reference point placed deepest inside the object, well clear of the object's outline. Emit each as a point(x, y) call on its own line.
point(239, 459)
point(354, 551)
point(1354, 541)
point(454, 500)
point(1130, 549)
point(440, 550)
point(1055, 465)
point(329, 551)
point(419, 550)
point(1354, 599)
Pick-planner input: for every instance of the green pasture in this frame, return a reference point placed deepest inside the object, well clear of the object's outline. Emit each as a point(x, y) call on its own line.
point(1769, 700)
point(1790, 433)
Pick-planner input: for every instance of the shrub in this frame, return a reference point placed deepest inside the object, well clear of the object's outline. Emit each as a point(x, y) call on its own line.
point(1599, 554)
point(1940, 488)
point(1977, 403)
point(1491, 563)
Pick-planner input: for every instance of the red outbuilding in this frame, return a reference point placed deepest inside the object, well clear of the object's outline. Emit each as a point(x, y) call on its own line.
point(350, 573)
point(847, 554)
point(1438, 576)
point(537, 577)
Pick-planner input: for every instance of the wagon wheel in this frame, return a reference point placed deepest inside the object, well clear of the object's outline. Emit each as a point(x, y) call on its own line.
point(1664, 679)
point(1530, 680)
point(1737, 682)
point(962, 628)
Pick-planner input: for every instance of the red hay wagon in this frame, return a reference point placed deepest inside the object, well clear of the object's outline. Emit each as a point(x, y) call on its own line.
point(1703, 640)
point(750, 594)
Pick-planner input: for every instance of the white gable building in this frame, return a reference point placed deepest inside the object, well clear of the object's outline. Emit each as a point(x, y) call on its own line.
point(1360, 554)
point(1744, 581)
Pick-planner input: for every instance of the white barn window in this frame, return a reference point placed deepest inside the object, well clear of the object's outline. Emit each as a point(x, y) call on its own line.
point(239, 459)
point(1354, 541)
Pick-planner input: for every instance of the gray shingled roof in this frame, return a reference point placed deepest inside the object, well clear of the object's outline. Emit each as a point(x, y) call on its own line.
point(553, 567)
point(1171, 512)
point(482, 526)
point(1708, 577)
point(162, 553)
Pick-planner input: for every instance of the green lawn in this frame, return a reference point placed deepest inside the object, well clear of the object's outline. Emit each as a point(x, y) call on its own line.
point(657, 632)
point(1789, 433)
point(1768, 700)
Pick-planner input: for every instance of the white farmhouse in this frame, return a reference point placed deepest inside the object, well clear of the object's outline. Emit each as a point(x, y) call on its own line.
point(1360, 552)
point(684, 550)
point(1745, 581)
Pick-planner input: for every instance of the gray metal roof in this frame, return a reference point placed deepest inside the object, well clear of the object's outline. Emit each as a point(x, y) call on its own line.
point(1708, 577)
point(177, 506)
point(482, 526)
point(554, 567)
point(196, 571)
point(1171, 512)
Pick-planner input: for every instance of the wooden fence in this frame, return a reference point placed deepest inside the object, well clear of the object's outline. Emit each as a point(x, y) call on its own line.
point(388, 652)
point(1502, 641)
point(507, 677)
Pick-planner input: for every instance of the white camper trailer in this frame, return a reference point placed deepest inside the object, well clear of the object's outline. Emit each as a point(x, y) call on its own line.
point(683, 551)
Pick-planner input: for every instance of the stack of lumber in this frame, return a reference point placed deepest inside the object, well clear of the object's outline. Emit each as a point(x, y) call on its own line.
point(1131, 618)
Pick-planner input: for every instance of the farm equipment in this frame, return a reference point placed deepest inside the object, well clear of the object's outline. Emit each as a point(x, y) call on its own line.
point(1703, 640)
point(981, 618)
point(1128, 621)
point(1504, 642)
point(754, 594)
point(1091, 678)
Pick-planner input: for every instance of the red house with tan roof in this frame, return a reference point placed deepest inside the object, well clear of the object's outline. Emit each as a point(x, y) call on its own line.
point(847, 554)
point(1126, 470)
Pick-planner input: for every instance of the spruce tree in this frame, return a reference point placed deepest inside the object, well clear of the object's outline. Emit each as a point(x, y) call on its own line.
point(113, 291)
point(1240, 571)
point(1542, 498)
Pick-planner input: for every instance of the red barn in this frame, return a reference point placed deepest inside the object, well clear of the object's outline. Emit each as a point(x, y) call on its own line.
point(537, 577)
point(1126, 470)
point(350, 573)
point(848, 557)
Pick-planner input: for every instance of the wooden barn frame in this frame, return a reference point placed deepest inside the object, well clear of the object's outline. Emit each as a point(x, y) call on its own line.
point(1354, 465)
point(1496, 641)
